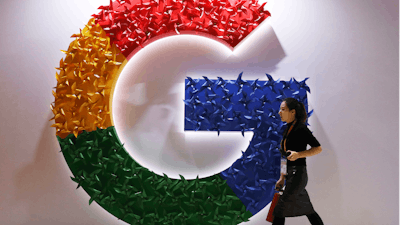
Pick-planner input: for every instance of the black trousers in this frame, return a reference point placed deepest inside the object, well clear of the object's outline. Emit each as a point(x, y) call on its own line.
point(313, 218)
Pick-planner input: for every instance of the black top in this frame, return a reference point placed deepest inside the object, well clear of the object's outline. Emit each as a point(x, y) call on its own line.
point(297, 141)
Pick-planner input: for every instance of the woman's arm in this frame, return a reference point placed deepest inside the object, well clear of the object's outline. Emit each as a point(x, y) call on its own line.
point(310, 152)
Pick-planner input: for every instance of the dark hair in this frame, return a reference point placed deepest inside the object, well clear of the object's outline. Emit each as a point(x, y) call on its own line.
point(301, 113)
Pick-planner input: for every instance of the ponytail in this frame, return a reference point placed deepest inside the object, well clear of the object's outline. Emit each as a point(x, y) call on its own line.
point(301, 113)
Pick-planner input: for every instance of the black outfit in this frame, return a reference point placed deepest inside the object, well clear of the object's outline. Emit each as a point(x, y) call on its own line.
point(295, 200)
point(297, 141)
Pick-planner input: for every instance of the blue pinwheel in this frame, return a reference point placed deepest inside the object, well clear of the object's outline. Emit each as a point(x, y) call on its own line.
point(263, 99)
point(256, 115)
point(236, 115)
point(190, 102)
point(243, 128)
point(197, 102)
point(204, 116)
point(197, 121)
point(273, 113)
point(302, 99)
point(302, 84)
point(273, 148)
point(228, 97)
point(239, 82)
point(281, 97)
point(259, 163)
point(241, 164)
point(210, 99)
point(256, 149)
point(206, 85)
point(192, 83)
point(252, 203)
point(254, 86)
point(263, 183)
point(286, 85)
point(241, 188)
point(220, 83)
point(255, 159)
point(221, 112)
point(271, 83)
point(217, 127)
point(232, 173)
point(245, 100)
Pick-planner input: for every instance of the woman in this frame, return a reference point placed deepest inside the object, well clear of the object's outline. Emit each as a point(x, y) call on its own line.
point(295, 200)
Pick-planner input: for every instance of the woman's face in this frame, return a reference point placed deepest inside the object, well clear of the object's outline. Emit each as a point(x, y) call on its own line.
point(284, 113)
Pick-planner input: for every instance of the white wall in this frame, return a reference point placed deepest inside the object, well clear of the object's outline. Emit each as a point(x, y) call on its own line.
point(349, 49)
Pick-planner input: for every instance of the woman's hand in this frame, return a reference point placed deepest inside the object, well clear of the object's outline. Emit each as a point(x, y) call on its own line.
point(293, 155)
point(279, 184)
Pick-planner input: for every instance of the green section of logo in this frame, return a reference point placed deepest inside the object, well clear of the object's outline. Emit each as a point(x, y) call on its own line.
point(132, 193)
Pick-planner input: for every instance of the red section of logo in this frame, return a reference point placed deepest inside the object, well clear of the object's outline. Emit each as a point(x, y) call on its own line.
point(132, 24)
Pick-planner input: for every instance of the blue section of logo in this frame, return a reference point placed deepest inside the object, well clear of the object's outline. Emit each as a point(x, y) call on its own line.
point(239, 105)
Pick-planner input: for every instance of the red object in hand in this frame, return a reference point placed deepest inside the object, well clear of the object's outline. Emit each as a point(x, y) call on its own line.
point(270, 216)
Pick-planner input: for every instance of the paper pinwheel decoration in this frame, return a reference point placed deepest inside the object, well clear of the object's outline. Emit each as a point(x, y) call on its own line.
point(84, 129)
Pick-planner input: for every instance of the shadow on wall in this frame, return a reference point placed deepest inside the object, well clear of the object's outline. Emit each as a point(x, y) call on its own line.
point(258, 53)
point(323, 171)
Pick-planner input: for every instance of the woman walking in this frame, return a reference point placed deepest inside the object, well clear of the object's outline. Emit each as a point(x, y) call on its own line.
point(295, 200)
